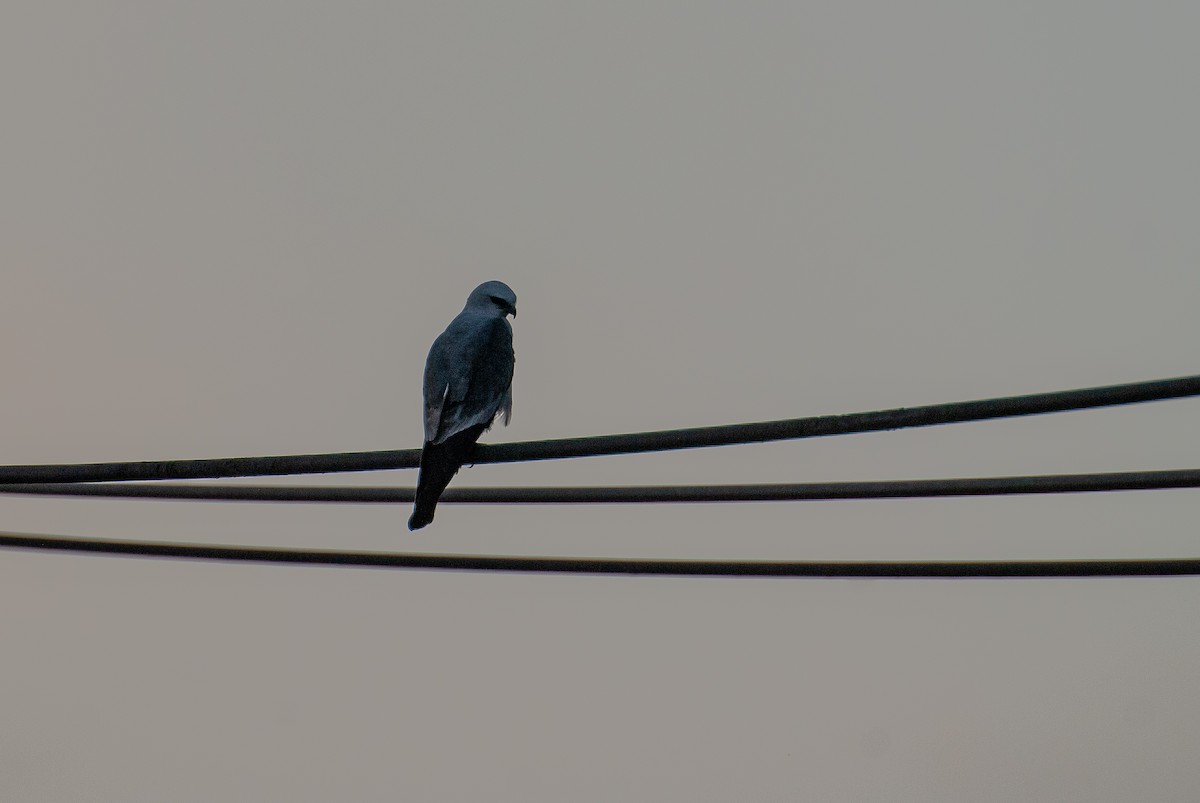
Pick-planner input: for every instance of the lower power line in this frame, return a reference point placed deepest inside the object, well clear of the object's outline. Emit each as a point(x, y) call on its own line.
point(779, 492)
point(611, 566)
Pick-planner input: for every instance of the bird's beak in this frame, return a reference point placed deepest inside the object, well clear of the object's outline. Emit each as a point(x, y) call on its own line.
point(513, 310)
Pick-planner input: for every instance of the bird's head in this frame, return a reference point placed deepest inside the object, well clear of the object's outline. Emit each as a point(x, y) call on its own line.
point(493, 296)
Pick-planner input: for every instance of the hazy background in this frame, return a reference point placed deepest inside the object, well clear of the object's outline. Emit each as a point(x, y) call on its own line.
point(234, 228)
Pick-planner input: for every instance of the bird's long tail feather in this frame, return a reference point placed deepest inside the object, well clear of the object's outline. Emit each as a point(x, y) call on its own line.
point(439, 463)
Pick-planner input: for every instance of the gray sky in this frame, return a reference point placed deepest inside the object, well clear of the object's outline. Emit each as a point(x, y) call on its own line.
point(235, 228)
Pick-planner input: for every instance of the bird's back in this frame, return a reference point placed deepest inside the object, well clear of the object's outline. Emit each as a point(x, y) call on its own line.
point(468, 375)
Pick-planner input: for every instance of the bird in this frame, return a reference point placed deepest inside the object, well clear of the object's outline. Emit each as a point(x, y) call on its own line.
point(468, 383)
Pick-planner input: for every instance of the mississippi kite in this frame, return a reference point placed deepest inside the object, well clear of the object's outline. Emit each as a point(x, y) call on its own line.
point(468, 382)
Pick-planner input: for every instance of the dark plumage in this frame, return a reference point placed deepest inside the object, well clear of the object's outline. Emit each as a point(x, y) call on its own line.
point(439, 463)
point(468, 382)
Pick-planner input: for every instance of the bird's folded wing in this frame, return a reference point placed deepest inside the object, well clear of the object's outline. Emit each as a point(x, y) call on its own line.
point(468, 377)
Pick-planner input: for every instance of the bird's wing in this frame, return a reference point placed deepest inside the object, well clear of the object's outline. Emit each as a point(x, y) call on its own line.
point(468, 377)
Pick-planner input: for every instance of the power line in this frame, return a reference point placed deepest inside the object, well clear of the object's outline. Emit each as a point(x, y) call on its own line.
point(618, 566)
point(852, 423)
point(887, 489)
point(819, 426)
point(277, 465)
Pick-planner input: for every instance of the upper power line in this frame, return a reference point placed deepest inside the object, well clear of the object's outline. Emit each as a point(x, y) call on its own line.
point(818, 426)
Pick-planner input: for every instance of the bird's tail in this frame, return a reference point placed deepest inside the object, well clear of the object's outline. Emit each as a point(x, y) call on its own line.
point(439, 463)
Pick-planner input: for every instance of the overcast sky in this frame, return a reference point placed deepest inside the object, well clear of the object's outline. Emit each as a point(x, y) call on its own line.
point(234, 228)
